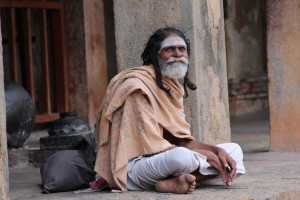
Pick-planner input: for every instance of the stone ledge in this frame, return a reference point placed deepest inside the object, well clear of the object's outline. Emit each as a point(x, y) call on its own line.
point(17, 158)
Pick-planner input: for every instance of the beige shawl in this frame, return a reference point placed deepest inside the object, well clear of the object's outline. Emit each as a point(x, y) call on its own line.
point(131, 120)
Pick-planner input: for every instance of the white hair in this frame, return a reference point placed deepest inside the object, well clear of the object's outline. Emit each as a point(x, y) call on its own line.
point(174, 67)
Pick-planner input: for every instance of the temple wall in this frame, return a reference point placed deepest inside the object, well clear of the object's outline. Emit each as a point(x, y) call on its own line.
point(203, 23)
point(245, 33)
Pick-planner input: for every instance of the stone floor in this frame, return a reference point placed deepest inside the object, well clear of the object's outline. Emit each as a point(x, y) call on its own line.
point(270, 175)
point(251, 132)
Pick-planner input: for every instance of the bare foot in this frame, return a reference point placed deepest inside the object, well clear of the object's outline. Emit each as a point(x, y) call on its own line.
point(183, 184)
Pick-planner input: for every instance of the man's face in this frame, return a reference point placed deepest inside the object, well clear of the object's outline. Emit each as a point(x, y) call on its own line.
point(173, 57)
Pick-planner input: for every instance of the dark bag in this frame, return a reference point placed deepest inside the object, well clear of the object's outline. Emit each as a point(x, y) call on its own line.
point(70, 169)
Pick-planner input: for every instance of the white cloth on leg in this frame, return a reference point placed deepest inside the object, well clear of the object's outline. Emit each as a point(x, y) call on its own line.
point(235, 151)
point(144, 172)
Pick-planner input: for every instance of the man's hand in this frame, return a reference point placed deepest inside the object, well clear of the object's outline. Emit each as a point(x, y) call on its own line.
point(227, 161)
point(219, 158)
point(216, 163)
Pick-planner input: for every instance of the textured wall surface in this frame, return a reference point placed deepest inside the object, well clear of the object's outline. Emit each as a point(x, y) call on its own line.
point(210, 119)
point(95, 56)
point(3, 144)
point(77, 76)
point(245, 29)
point(86, 56)
point(245, 45)
point(135, 21)
point(283, 37)
point(203, 23)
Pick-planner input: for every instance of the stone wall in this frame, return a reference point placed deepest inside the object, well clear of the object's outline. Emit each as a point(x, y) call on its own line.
point(245, 26)
point(203, 23)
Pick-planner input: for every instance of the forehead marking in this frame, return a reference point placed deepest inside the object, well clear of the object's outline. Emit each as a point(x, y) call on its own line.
point(172, 41)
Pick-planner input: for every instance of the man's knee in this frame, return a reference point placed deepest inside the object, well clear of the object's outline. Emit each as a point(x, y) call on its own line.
point(237, 152)
point(233, 149)
point(182, 160)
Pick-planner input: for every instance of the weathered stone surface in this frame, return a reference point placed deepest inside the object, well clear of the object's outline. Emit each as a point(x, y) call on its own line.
point(3, 142)
point(203, 23)
point(86, 56)
point(96, 65)
point(245, 34)
point(245, 49)
point(283, 39)
point(18, 158)
point(210, 119)
point(75, 43)
point(266, 178)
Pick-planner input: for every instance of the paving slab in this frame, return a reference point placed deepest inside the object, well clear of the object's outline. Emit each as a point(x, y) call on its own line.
point(270, 175)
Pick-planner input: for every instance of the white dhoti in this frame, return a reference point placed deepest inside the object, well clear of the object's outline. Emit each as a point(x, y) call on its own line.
point(145, 172)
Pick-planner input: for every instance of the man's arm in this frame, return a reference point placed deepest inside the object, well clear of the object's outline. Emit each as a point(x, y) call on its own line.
point(193, 144)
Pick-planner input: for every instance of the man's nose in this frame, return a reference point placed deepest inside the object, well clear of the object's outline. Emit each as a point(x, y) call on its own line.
point(177, 53)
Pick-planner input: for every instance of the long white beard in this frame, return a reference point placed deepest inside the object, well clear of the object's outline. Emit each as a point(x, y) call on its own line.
point(172, 69)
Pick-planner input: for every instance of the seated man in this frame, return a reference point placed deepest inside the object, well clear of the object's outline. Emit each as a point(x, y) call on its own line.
point(144, 141)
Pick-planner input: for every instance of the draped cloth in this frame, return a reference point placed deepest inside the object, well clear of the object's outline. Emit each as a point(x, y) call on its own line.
point(132, 117)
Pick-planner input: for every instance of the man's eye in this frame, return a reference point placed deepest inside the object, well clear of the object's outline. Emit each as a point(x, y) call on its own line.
point(168, 49)
point(182, 48)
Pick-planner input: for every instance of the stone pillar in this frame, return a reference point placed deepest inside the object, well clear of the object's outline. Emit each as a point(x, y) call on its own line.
point(4, 183)
point(283, 39)
point(95, 56)
point(86, 56)
point(203, 23)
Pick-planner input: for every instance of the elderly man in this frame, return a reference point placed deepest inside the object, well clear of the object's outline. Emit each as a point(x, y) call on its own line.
point(144, 141)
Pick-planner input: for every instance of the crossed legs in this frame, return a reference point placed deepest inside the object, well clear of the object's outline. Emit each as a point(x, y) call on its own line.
point(175, 171)
point(171, 171)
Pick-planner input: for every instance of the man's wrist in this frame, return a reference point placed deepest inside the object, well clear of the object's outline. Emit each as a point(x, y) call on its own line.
point(218, 149)
point(215, 149)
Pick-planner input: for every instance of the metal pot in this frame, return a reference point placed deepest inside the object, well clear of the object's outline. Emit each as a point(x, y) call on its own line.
point(68, 123)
